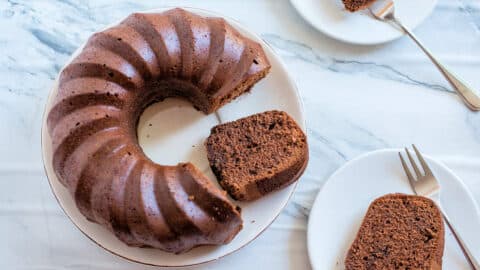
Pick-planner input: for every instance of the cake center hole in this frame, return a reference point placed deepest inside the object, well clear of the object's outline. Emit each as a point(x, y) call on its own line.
point(172, 131)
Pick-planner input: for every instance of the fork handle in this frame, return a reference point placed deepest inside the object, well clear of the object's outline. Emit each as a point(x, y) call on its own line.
point(466, 93)
point(468, 255)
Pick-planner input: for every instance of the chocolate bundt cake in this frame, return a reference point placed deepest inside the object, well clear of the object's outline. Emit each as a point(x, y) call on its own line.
point(399, 232)
point(146, 58)
point(356, 5)
point(258, 154)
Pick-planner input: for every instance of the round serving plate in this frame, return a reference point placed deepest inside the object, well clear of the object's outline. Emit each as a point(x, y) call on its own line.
point(171, 132)
point(342, 203)
point(331, 18)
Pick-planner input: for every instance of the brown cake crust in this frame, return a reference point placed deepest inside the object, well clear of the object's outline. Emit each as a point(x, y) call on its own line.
point(146, 58)
point(399, 232)
point(356, 5)
point(258, 154)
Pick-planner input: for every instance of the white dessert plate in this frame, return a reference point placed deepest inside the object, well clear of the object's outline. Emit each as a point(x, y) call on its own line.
point(342, 203)
point(331, 18)
point(171, 132)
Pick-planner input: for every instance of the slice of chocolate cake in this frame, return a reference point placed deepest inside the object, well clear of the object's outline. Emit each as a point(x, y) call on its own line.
point(257, 154)
point(356, 5)
point(399, 232)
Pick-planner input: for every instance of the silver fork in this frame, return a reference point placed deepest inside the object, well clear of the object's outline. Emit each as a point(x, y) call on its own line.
point(427, 185)
point(384, 10)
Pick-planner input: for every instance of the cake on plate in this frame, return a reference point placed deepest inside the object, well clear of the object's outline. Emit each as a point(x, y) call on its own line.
point(258, 154)
point(101, 94)
point(399, 232)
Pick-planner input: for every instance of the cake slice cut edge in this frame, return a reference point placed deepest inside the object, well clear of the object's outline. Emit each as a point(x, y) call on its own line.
point(399, 231)
point(258, 154)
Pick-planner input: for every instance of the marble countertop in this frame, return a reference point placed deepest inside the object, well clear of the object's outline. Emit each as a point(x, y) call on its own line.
point(357, 99)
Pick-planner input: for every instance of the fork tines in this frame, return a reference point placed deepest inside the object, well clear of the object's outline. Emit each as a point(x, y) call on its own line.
point(426, 169)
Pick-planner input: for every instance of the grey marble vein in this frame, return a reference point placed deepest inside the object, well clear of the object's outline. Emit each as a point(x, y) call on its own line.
point(56, 42)
point(319, 138)
point(472, 11)
point(302, 210)
point(329, 131)
point(373, 69)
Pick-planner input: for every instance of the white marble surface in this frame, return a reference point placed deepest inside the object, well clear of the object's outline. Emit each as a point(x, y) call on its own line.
point(357, 99)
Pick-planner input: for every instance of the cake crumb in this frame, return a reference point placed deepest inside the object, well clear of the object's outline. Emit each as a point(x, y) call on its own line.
point(191, 198)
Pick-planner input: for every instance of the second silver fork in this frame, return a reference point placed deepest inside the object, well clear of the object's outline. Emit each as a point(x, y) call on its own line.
point(427, 185)
point(384, 10)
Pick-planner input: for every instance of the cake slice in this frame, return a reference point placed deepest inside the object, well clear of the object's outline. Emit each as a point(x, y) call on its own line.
point(257, 154)
point(356, 5)
point(399, 232)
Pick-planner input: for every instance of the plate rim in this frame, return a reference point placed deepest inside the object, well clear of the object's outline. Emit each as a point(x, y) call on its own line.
point(366, 155)
point(236, 24)
point(332, 35)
